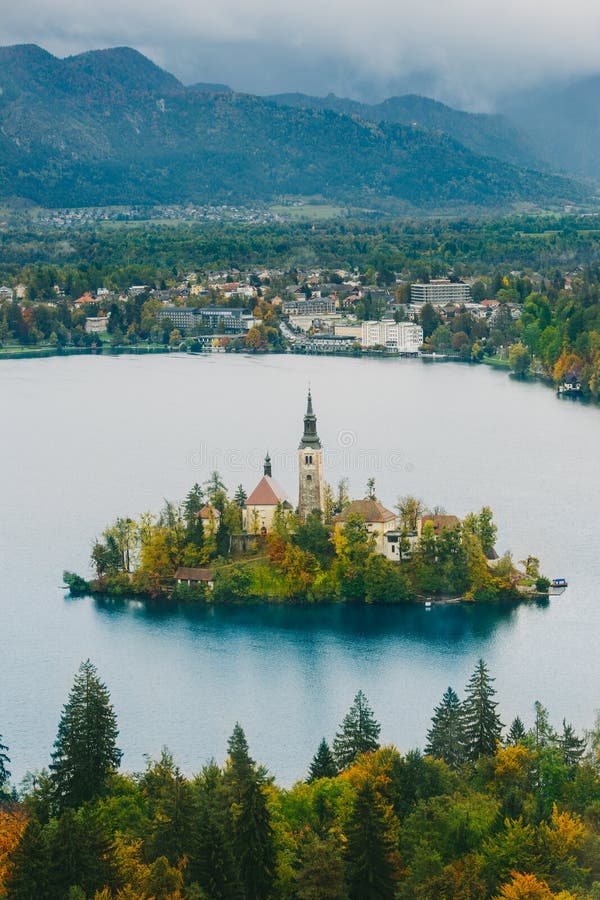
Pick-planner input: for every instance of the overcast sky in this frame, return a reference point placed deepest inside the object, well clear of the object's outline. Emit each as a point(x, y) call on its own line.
point(464, 51)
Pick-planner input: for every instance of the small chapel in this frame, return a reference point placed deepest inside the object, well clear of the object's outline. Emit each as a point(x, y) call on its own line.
point(261, 505)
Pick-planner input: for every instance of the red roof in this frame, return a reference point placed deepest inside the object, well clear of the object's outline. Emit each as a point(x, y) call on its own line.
point(370, 510)
point(266, 493)
point(209, 512)
point(187, 573)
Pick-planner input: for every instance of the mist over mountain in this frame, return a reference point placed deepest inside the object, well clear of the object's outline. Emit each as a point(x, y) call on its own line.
point(564, 121)
point(111, 127)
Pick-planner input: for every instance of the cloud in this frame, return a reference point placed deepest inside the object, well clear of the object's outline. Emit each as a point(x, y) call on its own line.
point(467, 51)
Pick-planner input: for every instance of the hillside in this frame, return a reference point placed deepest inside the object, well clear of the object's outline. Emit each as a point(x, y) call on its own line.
point(564, 120)
point(488, 135)
point(110, 127)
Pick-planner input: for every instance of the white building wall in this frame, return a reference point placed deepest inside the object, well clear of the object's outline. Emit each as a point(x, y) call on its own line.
point(403, 337)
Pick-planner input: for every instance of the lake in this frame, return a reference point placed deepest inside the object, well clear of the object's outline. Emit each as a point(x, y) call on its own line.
point(84, 440)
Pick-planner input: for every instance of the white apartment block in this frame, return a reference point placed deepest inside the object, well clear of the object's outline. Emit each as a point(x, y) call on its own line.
point(440, 290)
point(401, 337)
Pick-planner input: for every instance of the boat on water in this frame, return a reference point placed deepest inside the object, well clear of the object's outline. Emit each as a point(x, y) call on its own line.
point(559, 583)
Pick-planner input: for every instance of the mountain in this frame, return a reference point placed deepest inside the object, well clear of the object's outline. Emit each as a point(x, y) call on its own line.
point(484, 134)
point(109, 127)
point(208, 87)
point(563, 120)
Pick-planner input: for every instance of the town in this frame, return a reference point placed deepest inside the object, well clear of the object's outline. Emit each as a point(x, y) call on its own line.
point(477, 319)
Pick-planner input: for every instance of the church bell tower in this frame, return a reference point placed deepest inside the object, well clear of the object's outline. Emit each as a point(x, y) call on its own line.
point(310, 466)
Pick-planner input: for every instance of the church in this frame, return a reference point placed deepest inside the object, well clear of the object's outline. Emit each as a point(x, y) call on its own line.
point(260, 507)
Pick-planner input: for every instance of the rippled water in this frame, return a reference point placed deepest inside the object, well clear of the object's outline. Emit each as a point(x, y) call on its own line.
point(83, 440)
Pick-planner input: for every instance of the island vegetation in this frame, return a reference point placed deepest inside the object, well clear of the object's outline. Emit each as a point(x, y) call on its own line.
point(482, 812)
point(317, 560)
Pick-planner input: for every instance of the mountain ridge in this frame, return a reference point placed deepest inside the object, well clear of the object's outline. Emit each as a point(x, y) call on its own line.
point(109, 127)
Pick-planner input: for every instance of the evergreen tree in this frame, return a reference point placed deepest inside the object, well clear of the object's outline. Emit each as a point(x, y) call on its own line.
point(319, 871)
point(369, 849)
point(192, 505)
point(516, 733)
point(253, 839)
point(28, 878)
point(446, 737)
point(170, 800)
point(78, 855)
point(358, 733)
point(572, 746)
point(4, 763)
point(85, 752)
point(323, 764)
point(240, 496)
point(212, 863)
point(481, 722)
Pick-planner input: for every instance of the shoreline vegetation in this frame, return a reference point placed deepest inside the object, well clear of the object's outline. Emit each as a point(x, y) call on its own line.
point(482, 812)
point(197, 552)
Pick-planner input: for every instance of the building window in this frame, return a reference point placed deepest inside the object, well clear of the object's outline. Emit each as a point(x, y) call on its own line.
point(308, 460)
point(309, 477)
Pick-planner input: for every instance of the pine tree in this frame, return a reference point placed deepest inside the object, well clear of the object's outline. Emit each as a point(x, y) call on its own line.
point(369, 848)
point(516, 733)
point(323, 764)
point(253, 838)
point(481, 722)
point(446, 737)
point(212, 863)
point(28, 878)
point(572, 747)
point(358, 733)
point(4, 763)
point(240, 496)
point(319, 871)
point(85, 752)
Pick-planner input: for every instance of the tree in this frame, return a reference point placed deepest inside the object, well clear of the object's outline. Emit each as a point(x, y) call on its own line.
point(4, 763)
point(516, 732)
point(85, 752)
point(342, 498)
point(369, 848)
point(319, 871)
point(410, 510)
point(212, 861)
point(446, 737)
point(572, 746)
point(486, 530)
point(323, 763)
point(481, 722)
point(240, 496)
point(358, 733)
point(28, 878)
point(371, 495)
point(253, 839)
point(519, 359)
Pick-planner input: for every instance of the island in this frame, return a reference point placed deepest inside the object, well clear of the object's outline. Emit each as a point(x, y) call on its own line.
point(259, 547)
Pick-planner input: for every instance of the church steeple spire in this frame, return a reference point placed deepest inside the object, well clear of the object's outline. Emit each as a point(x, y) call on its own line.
point(310, 466)
point(267, 465)
point(310, 438)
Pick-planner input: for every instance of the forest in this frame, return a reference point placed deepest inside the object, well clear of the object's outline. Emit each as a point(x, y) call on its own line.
point(483, 811)
point(319, 560)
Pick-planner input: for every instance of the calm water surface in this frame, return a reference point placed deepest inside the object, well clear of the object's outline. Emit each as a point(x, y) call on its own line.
point(84, 440)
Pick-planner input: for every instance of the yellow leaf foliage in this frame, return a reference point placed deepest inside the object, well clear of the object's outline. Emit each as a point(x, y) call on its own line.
point(524, 886)
point(12, 826)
